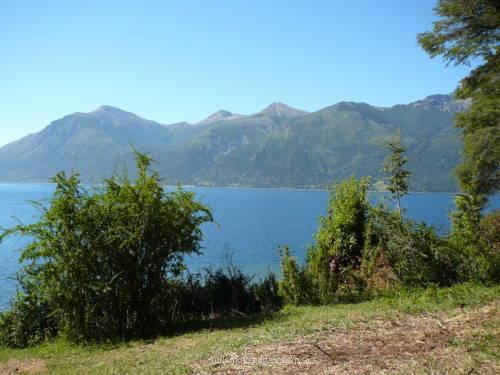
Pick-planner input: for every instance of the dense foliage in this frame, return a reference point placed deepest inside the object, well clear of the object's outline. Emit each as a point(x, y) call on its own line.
point(339, 240)
point(222, 293)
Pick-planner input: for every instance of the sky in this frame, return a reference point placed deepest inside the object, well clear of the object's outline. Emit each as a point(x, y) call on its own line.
point(172, 61)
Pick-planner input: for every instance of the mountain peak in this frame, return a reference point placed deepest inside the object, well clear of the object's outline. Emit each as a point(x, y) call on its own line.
point(220, 115)
point(113, 114)
point(279, 109)
point(443, 102)
point(435, 100)
point(108, 109)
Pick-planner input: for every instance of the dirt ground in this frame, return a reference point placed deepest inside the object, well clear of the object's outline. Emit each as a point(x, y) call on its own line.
point(411, 345)
point(29, 366)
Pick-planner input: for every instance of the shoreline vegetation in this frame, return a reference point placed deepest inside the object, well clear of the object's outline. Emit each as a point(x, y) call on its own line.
point(326, 189)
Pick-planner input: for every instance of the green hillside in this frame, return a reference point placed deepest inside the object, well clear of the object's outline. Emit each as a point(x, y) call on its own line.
point(277, 147)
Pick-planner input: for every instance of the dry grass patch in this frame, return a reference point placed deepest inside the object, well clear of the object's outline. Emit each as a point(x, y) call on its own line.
point(26, 366)
point(413, 344)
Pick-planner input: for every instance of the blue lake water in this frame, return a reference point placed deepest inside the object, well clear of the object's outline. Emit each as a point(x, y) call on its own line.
point(251, 224)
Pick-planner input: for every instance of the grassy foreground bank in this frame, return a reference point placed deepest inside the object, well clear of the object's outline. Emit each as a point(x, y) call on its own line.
point(459, 329)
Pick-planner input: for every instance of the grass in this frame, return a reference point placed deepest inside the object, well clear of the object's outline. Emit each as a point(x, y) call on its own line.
point(178, 354)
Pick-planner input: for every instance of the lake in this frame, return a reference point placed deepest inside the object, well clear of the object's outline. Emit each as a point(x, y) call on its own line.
point(251, 224)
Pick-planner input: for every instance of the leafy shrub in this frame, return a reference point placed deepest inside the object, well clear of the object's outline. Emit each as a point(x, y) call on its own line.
point(490, 235)
point(100, 259)
point(267, 294)
point(229, 291)
point(413, 251)
point(490, 230)
point(294, 287)
point(477, 238)
point(331, 273)
point(27, 322)
point(220, 293)
point(339, 241)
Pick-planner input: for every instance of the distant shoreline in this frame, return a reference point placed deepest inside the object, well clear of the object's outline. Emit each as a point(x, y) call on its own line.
point(238, 187)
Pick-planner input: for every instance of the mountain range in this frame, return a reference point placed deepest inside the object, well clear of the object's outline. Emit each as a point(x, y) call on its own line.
point(279, 146)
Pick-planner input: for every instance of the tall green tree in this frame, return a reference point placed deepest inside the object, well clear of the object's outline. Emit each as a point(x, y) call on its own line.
point(397, 182)
point(468, 31)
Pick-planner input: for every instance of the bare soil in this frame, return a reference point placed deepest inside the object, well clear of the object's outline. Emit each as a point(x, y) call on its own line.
point(402, 345)
point(27, 366)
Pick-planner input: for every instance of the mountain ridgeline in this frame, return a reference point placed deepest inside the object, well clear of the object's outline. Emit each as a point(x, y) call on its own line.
point(277, 147)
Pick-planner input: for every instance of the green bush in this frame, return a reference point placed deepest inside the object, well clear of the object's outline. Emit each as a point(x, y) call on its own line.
point(267, 294)
point(476, 236)
point(229, 291)
point(219, 294)
point(413, 251)
point(28, 322)
point(331, 272)
point(362, 250)
point(99, 260)
point(490, 234)
point(340, 238)
point(294, 287)
point(482, 250)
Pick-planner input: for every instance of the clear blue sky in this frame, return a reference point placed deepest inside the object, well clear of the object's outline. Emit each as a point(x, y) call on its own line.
point(182, 60)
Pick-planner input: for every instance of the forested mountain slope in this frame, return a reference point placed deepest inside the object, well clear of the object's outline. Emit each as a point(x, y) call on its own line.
point(279, 146)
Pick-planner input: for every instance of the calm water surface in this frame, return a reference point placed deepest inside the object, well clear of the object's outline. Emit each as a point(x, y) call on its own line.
point(251, 224)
